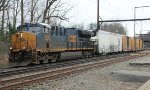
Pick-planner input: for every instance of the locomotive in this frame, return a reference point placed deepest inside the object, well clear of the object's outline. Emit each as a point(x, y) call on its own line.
point(42, 43)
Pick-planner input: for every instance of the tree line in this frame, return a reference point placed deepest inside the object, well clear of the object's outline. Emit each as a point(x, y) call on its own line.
point(54, 12)
point(112, 27)
point(13, 12)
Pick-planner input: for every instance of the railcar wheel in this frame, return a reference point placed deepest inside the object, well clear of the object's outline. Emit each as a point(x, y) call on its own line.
point(58, 57)
point(93, 54)
point(83, 55)
point(49, 60)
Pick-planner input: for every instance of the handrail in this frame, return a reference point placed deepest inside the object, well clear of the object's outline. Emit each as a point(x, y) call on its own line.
point(31, 46)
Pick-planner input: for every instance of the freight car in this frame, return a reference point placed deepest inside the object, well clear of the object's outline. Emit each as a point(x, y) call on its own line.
point(126, 43)
point(107, 42)
point(41, 43)
point(133, 44)
point(139, 44)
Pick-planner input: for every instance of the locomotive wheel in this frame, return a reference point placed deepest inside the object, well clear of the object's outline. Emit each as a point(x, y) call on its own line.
point(83, 55)
point(93, 54)
point(41, 61)
point(58, 57)
point(49, 60)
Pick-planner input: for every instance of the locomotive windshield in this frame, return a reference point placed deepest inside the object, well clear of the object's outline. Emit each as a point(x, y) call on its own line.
point(34, 29)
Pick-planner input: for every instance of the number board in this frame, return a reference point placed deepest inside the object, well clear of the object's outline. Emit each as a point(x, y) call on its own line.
point(46, 37)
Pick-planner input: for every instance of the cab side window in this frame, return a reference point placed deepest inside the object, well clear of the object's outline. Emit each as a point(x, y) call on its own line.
point(46, 30)
point(64, 32)
point(61, 31)
point(56, 30)
point(52, 30)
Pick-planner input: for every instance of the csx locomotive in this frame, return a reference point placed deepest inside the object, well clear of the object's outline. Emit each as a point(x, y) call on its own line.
point(41, 43)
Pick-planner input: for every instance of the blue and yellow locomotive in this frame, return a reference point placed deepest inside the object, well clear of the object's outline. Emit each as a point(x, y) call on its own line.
point(42, 43)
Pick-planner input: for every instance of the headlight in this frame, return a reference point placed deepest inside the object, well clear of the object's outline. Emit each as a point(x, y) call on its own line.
point(10, 48)
point(21, 34)
point(24, 47)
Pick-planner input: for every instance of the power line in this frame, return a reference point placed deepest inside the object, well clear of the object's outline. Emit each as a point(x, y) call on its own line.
point(125, 20)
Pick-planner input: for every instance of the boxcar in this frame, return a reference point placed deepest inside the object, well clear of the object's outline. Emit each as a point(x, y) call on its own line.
point(133, 44)
point(137, 44)
point(108, 42)
point(141, 44)
point(126, 43)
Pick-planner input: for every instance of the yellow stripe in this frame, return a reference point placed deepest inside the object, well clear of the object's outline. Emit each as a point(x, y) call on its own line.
point(62, 49)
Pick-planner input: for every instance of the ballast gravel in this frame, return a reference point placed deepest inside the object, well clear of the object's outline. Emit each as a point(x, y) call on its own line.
point(95, 79)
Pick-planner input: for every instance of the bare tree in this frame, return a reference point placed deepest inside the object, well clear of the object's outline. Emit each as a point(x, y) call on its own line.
point(46, 11)
point(3, 4)
point(22, 14)
point(49, 3)
point(115, 28)
point(16, 11)
point(33, 6)
point(92, 26)
point(80, 26)
point(3, 7)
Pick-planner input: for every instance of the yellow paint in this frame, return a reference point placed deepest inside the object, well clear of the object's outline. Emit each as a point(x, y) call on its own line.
point(141, 44)
point(137, 44)
point(132, 44)
point(125, 46)
point(61, 50)
point(23, 39)
point(72, 38)
point(46, 37)
point(124, 43)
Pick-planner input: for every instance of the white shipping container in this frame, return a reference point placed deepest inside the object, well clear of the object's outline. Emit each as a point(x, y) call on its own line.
point(108, 42)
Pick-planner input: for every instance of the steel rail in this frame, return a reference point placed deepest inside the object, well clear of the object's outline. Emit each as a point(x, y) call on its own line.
point(35, 78)
point(9, 72)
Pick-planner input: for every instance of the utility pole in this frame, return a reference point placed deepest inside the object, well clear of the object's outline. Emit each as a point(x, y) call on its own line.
point(98, 15)
point(134, 28)
point(134, 19)
point(141, 30)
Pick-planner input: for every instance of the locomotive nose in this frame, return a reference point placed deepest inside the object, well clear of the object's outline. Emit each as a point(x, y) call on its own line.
point(23, 41)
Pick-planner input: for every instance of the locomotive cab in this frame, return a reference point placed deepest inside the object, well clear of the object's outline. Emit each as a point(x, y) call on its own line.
point(23, 44)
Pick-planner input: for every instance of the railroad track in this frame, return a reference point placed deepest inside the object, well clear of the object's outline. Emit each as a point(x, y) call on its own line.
point(13, 82)
point(11, 71)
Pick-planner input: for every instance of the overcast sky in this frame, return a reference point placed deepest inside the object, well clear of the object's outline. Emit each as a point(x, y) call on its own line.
point(84, 11)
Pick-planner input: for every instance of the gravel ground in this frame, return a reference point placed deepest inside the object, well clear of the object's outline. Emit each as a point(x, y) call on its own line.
point(95, 79)
point(3, 60)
